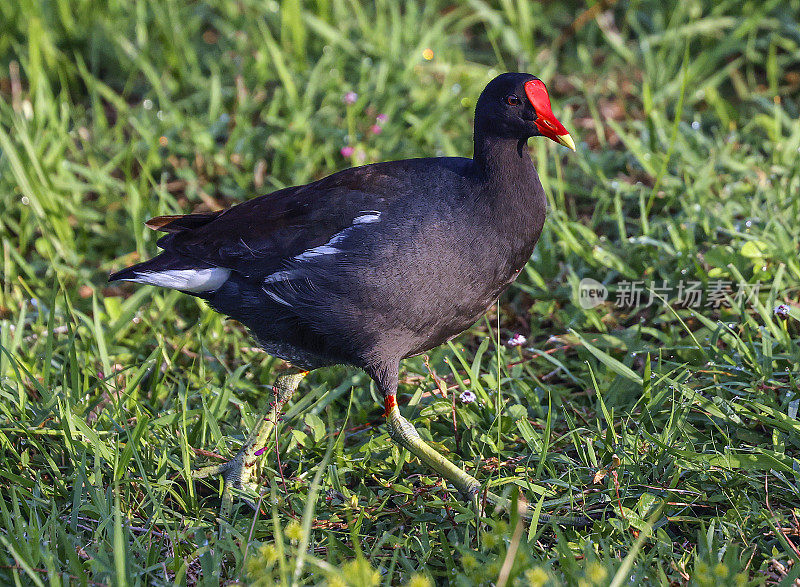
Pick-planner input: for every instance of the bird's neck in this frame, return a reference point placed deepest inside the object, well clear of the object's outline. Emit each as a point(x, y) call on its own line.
point(511, 189)
point(502, 160)
point(504, 166)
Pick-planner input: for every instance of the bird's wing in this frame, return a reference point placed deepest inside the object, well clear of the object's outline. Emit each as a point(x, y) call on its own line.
point(259, 237)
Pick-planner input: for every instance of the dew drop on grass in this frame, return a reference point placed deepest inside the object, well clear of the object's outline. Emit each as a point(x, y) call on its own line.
point(695, 125)
point(147, 104)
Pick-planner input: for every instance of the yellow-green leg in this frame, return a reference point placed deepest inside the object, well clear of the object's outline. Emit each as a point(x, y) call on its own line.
point(238, 473)
point(404, 433)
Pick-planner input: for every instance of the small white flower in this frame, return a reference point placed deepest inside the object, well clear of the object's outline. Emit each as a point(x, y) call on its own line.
point(517, 340)
point(467, 397)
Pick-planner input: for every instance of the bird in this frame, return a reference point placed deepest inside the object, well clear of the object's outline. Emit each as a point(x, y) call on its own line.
point(370, 265)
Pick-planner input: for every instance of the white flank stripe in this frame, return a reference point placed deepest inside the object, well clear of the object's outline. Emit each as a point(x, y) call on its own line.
point(194, 280)
point(276, 297)
point(329, 248)
point(280, 276)
point(317, 251)
point(368, 218)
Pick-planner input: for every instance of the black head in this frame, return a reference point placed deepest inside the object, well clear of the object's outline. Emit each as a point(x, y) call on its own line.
point(517, 106)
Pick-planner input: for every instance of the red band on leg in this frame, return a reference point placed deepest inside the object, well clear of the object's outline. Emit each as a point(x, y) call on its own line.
point(390, 403)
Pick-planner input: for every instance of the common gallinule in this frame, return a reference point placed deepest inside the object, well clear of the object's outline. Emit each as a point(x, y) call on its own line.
point(370, 265)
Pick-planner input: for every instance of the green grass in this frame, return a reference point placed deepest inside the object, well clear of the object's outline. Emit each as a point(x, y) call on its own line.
point(683, 422)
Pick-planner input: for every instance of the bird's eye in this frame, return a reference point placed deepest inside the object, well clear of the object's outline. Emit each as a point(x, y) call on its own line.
point(513, 101)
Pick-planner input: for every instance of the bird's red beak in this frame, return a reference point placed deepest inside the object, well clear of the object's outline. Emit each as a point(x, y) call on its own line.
point(546, 122)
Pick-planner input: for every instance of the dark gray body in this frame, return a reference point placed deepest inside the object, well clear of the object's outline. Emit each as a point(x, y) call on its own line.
point(403, 285)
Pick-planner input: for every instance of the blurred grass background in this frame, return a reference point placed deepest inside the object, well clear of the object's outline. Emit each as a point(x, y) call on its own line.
point(682, 421)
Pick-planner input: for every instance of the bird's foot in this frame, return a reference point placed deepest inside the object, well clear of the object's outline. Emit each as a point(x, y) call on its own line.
point(404, 433)
point(238, 473)
point(237, 476)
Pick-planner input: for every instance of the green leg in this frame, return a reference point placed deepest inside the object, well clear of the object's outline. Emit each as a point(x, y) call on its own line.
point(404, 433)
point(238, 472)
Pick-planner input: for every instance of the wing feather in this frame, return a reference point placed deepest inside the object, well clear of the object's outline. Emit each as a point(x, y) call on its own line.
point(259, 237)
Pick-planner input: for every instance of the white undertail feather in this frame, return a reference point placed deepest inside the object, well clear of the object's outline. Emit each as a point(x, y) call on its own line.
point(193, 280)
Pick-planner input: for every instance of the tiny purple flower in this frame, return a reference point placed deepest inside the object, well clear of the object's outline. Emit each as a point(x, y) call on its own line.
point(782, 311)
point(517, 340)
point(381, 118)
point(467, 397)
point(375, 129)
point(346, 152)
point(350, 98)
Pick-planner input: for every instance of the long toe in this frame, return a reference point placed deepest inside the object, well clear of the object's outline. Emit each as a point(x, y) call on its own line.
point(211, 470)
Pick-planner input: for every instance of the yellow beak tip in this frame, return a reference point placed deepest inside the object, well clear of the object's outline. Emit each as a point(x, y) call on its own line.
point(567, 141)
